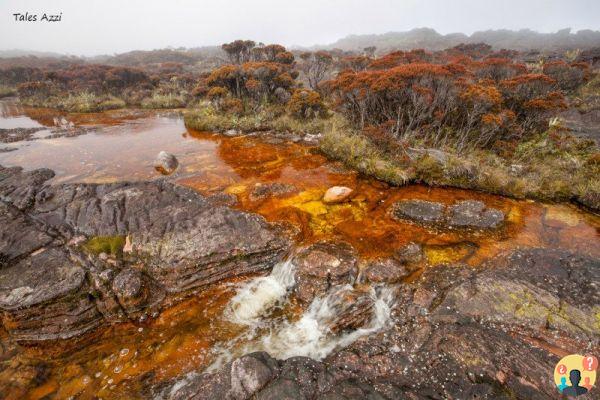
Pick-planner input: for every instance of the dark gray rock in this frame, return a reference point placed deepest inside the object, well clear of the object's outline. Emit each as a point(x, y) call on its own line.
point(179, 242)
point(46, 296)
point(467, 214)
point(474, 214)
point(419, 211)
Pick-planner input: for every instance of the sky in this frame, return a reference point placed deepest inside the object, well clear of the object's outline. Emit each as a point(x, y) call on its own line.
point(93, 27)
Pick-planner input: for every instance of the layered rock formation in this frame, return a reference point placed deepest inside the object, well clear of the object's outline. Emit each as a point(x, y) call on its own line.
point(178, 242)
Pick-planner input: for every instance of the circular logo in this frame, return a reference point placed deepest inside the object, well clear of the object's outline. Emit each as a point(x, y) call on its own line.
point(575, 374)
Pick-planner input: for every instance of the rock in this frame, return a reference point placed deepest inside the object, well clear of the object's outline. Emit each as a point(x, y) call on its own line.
point(353, 309)
point(540, 288)
point(419, 211)
point(386, 270)
point(128, 247)
point(165, 163)
point(474, 214)
point(231, 132)
point(251, 373)
point(45, 297)
point(321, 266)
point(476, 334)
point(467, 214)
point(136, 292)
point(412, 253)
point(19, 187)
point(276, 189)
point(182, 242)
point(223, 199)
point(337, 194)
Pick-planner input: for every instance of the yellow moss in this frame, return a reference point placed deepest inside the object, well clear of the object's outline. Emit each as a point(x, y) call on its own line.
point(112, 245)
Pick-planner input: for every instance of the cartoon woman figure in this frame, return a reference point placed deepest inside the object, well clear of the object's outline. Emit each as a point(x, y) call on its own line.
point(563, 383)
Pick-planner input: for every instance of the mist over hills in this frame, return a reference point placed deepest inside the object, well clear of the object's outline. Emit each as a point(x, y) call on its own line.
point(429, 39)
point(419, 38)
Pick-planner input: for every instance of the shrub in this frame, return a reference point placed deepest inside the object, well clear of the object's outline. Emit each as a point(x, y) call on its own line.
point(305, 104)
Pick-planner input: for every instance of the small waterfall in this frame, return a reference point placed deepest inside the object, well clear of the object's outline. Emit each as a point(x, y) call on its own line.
point(259, 295)
point(310, 335)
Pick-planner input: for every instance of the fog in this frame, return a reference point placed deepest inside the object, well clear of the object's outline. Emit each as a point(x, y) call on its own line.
point(95, 27)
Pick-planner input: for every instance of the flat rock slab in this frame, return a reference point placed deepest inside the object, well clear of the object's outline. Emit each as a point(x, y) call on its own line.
point(466, 214)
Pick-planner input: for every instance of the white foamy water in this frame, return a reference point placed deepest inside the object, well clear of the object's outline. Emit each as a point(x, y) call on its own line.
point(259, 295)
point(310, 335)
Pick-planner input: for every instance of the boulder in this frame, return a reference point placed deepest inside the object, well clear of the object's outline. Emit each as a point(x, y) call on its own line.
point(321, 266)
point(337, 194)
point(166, 163)
point(353, 309)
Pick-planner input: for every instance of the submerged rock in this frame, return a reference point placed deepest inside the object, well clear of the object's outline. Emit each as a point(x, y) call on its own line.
point(264, 190)
point(337, 194)
point(467, 214)
point(166, 163)
point(419, 211)
point(178, 240)
point(474, 214)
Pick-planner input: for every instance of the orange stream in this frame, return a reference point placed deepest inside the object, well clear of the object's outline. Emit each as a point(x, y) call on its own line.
point(124, 359)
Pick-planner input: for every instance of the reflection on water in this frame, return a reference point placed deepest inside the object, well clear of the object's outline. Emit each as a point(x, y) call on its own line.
point(121, 145)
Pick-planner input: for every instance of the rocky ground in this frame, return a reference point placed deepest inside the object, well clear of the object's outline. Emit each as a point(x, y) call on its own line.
point(74, 257)
point(496, 332)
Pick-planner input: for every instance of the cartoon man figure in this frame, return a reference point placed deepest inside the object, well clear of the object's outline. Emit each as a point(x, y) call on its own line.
point(574, 389)
point(586, 383)
point(563, 383)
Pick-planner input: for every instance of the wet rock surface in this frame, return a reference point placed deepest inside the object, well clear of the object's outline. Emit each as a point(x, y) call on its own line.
point(263, 190)
point(494, 332)
point(323, 265)
point(337, 194)
point(166, 163)
point(178, 241)
point(466, 214)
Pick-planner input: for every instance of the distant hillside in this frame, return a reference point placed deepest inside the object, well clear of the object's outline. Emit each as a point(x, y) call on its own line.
point(26, 53)
point(429, 39)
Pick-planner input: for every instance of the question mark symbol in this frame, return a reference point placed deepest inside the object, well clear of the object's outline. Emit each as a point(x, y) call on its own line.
point(590, 363)
point(562, 369)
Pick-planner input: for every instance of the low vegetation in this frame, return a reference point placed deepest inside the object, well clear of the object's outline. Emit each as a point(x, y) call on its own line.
point(467, 116)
